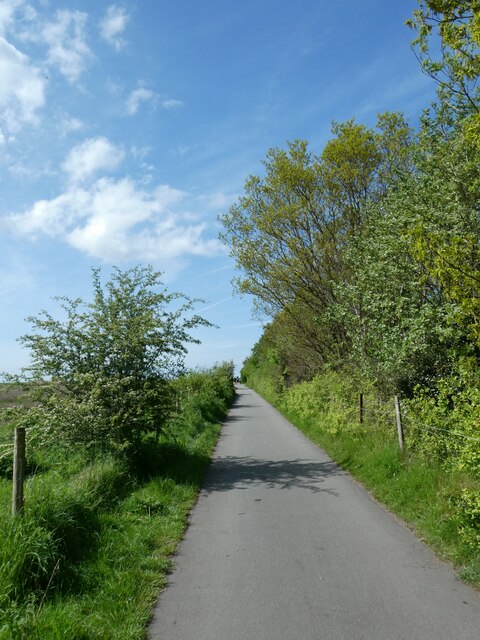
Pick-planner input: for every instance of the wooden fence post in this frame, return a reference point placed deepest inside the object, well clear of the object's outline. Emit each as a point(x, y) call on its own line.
point(398, 415)
point(361, 408)
point(18, 470)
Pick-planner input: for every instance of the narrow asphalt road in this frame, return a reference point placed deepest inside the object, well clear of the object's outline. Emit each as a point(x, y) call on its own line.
point(283, 545)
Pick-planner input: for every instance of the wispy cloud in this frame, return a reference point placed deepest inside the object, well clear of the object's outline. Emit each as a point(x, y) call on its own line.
point(212, 271)
point(65, 37)
point(31, 171)
point(141, 95)
point(68, 124)
point(248, 325)
point(91, 156)
point(7, 11)
point(215, 304)
point(136, 97)
point(113, 25)
point(22, 88)
point(172, 104)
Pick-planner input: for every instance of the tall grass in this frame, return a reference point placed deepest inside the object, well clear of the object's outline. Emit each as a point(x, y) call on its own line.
point(90, 553)
point(435, 499)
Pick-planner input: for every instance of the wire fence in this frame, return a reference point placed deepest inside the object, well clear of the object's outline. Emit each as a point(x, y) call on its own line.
point(435, 429)
point(6, 446)
point(405, 421)
point(370, 413)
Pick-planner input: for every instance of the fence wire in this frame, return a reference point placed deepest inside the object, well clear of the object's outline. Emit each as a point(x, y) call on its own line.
point(410, 423)
point(426, 427)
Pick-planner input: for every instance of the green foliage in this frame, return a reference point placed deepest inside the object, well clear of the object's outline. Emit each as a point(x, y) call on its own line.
point(91, 550)
point(264, 369)
point(202, 398)
point(325, 400)
point(289, 232)
point(441, 501)
point(456, 23)
point(100, 377)
point(445, 425)
point(468, 507)
point(446, 228)
point(393, 314)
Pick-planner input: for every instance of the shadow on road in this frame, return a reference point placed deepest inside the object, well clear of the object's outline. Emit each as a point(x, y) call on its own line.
point(233, 472)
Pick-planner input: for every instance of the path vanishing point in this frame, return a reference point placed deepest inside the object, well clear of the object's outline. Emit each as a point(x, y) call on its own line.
point(284, 545)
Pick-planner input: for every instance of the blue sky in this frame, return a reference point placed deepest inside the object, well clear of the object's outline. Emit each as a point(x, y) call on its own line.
point(127, 128)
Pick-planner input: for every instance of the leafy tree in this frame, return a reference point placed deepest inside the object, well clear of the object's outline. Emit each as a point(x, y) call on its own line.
point(447, 230)
point(393, 311)
point(282, 237)
point(457, 68)
point(264, 369)
point(290, 230)
point(100, 375)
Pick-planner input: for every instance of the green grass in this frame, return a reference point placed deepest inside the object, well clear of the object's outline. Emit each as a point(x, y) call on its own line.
point(119, 583)
point(421, 491)
point(82, 563)
point(91, 552)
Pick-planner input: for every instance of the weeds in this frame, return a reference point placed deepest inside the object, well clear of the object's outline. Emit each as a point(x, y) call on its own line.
point(90, 553)
point(439, 501)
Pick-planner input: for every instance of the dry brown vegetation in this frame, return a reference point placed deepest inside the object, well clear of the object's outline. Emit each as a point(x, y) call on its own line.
point(10, 395)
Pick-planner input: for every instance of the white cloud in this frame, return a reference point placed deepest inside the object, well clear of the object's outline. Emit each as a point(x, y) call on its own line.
point(91, 156)
point(30, 171)
point(14, 14)
point(22, 88)
point(50, 217)
point(136, 97)
point(68, 125)
point(66, 41)
point(7, 10)
point(172, 104)
point(118, 220)
point(113, 25)
point(141, 94)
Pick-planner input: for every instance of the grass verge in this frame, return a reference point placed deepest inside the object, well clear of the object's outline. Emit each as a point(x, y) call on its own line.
point(90, 554)
point(422, 491)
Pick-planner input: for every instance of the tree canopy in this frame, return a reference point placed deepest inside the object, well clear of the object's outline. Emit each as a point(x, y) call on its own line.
point(100, 374)
point(290, 231)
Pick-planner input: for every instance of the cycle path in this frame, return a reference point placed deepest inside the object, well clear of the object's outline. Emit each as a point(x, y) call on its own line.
point(284, 545)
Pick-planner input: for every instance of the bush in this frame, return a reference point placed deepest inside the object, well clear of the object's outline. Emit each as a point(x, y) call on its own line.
point(331, 401)
point(78, 530)
point(444, 425)
point(203, 398)
point(467, 508)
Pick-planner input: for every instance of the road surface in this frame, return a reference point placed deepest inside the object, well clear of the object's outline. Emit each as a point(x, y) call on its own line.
point(283, 545)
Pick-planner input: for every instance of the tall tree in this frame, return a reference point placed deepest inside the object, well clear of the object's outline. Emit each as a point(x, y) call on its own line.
point(289, 231)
